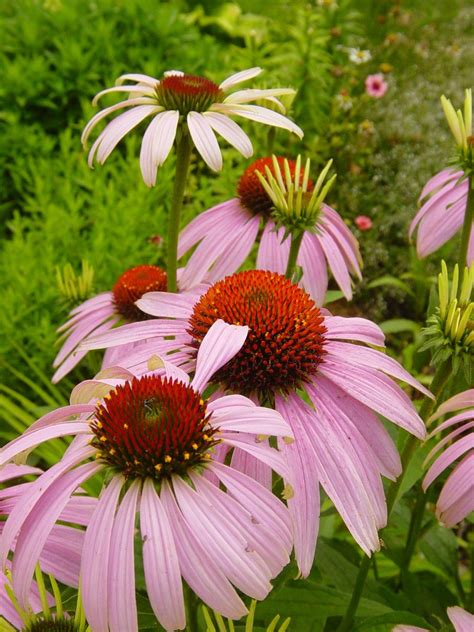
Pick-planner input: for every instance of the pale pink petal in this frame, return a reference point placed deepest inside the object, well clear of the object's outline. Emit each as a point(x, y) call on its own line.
point(363, 356)
point(252, 467)
point(441, 200)
point(273, 251)
point(336, 262)
point(449, 456)
point(439, 180)
point(96, 302)
point(28, 501)
point(200, 572)
point(258, 500)
point(116, 130)
point(218, 219)
point(259, 449)
point(304, 503)
point(121, 573)
point(376, 391)
point(255, 94)
point(38, 524)
point(258, 114)
point(157, 143)
point(61, 554)
point(341, 234)
point(430, 234)
point(452, 421)
point(167, 304)
point(239, 77)
point(230, 131)
point(259, 539)
point(15, 471)
point(463, 621)
point(31, 439)
point(340, 328)
point(96, 557)
point(456, 500)
point(218, 346)
point(451, 435)
point(140, 78)
point(160, 561)
point(458, 402)
point(223, 541)
point(106, 111)
point(204, 140)
point(230, 261)
point(134, 332)
point(313, 263)
point(336, 472)
point(252, 419)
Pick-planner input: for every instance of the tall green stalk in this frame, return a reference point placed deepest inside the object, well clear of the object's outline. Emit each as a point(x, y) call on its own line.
point(440, 379)
point(294, 250)
point(183, 154)
point(467, 228)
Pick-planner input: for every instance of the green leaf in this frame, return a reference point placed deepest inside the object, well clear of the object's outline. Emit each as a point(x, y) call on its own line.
point(399, 325)
point(439, 546)
point(386, 622)
point(388, 280)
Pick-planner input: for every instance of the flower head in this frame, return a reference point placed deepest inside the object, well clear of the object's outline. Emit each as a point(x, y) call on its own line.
point(160, 448)
point(456, 500)
point(104, 311)
point(279, 193)
point(358, 56)
point(376, 86)
point(340, 442)
point(179, 104)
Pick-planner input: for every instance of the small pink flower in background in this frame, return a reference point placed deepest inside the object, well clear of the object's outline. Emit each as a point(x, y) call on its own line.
point(160, 449)
point(363, 222)
point(376, 86)
point(456, 499)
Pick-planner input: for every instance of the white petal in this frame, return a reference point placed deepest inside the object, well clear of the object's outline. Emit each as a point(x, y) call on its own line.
point(244, 96)
point(259, 114)
point(229, 130)
point(113, 108)
point(149, 81)
point(205, 140)
point(142, 90)
point(157, 143)
point(238, 77)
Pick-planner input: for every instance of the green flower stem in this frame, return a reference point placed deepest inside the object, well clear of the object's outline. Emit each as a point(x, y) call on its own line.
point(413, 532)
point(466, 229)
point(440, 380)
point(183, 154)
point(294, 250)
point(470, 602)
point(271, 140)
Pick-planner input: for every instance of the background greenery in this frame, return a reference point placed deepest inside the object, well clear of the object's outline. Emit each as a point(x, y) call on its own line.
point(56, 54)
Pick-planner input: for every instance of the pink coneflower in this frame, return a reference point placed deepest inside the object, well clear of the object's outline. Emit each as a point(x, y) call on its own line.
point(339, 440)
point(102, 312)
point(61, 553)
point(456, 499)
point(441, 215)
point(376, 86)
point(363, 222)
point(226, 233)
point(157, 444)
point(202, 106)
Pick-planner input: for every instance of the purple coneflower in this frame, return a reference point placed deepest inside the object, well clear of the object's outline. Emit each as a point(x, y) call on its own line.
point(227, 232)
point(102, 312)
point(456, 499)
point(376, 86)
point(448, 197)
point(203, 106)
point(60, 556)
point(157, 442)
point(340, 442)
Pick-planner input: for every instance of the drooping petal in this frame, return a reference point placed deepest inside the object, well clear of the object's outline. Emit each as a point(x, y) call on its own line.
point(361, 329)
point(167, 304)
point(458, 402)
point(258, 114)
point(205, 140)
point(462, 620)
point(229, 130)
point(252, 419)
point(219, 345)
point(200, 572)
point(160, 561)
point(273, 251)
point(157, 143)
point(96, 557)
point(121, 575)
point(113, 108)
point(313, 263)
point(452, 453)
